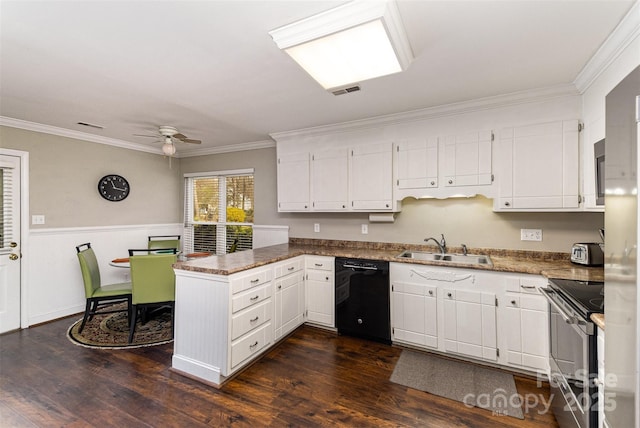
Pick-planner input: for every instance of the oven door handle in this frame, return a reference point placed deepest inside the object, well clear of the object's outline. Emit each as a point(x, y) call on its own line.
point(567, 318)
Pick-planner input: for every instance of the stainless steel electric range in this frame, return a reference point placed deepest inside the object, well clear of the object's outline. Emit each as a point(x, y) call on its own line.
point(573, 350)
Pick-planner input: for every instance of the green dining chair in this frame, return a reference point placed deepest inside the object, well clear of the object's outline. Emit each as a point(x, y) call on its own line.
point(153, 285)
point(99, 297)
point(164, 241)
point(149, 251)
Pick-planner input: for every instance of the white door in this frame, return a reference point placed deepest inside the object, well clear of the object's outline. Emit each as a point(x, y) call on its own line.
point(9, 243)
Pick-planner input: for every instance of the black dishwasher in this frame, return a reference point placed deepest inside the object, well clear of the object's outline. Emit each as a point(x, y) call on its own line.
point(362, 299)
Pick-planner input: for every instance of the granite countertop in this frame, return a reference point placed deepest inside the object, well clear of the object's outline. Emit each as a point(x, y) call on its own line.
point(598, 319)
point(548, 264)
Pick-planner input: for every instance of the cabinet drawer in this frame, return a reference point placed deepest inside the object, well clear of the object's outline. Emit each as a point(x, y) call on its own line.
point(250, 280)
point(250, 297)
point(288, 267)
point(321, 263)
point(527, 285)
point(253, 317)
point(318, 275)
point(251, 344)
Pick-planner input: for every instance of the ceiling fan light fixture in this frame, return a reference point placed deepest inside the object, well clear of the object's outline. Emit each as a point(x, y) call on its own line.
point(354, 42)
point(168, 148)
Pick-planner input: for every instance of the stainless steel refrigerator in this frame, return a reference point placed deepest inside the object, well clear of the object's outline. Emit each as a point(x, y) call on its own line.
point(621, 254)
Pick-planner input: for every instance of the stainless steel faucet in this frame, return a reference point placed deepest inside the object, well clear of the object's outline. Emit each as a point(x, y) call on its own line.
point(464, 250)
point(442, 245)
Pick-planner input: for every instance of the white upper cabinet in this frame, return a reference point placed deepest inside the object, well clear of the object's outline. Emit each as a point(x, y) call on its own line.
point(329, 178)
point(417, 163)
point(538, 167)
point(371, 179)
point(467, 159)
point(293, 182)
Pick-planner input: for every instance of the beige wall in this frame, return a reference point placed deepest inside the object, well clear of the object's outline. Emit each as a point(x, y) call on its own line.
point(64, 174)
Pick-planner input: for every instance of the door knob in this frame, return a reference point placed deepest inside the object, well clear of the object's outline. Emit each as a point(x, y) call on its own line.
point(13, 256)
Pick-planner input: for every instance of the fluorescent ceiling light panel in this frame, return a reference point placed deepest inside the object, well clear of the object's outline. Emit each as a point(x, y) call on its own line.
point(351, 43)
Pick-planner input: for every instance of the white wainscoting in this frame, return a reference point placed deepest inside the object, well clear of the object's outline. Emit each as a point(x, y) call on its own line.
point(54, 282)
point(263, 236)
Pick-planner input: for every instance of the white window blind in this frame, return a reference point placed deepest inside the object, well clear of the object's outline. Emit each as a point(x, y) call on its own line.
point(218, 212)
point(7, 199)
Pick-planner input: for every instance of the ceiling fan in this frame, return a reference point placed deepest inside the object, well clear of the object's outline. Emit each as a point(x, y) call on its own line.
point(168, 135)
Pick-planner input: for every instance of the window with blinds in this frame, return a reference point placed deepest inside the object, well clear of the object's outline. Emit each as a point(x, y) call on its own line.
point(218, 212)
point(6, 209)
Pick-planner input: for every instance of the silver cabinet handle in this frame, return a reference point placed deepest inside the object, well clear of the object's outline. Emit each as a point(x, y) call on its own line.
point(528, 287)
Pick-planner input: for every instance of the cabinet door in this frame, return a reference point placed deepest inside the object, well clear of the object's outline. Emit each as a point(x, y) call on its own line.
point(371, 180)
point(527, 331)
point(417, 163)
point(467, 159)
point(293, 182)
point(320, 297)
point(539, 166)
point(289, 303)
point(470, 323)
point(414, 314)
point(329, 180)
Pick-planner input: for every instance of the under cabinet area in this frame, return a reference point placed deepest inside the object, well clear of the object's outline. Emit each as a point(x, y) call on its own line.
point(319, 275)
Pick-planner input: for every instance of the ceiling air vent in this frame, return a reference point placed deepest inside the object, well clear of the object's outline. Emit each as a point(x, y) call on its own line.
point(342, 91)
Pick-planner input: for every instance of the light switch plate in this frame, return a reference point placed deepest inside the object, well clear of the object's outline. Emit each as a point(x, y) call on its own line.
point(365, 229)
point(37, 219)
point(316, 227)
point(531, 234)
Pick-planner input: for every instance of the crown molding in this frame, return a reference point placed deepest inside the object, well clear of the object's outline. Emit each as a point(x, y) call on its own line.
point(255, 145)
point(479, 104)
point(625, 33)
point(78, 135)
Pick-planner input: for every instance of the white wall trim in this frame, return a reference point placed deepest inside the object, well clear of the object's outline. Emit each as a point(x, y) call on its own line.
point(480, 104)
point(79, 135)
point(263, 144)
point(85, 229)
point(627, 30)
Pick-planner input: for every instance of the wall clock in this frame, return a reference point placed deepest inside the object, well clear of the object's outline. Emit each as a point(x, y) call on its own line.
point(113, 187)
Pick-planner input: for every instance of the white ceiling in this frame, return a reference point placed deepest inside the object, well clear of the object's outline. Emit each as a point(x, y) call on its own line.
point(210, 68)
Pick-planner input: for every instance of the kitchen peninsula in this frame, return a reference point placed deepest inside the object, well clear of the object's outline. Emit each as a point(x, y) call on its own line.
point(232, 308)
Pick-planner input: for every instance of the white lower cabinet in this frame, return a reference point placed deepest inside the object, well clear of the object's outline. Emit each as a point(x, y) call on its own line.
point(289, 296)
point(470, 323)
point(415, 313)
point(320, 296)
point(526, 323)
point(490, 316)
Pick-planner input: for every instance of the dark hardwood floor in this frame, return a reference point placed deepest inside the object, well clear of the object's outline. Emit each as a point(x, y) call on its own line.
point(313, 378)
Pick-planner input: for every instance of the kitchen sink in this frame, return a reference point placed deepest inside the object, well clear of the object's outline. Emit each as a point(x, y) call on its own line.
point(469, 259)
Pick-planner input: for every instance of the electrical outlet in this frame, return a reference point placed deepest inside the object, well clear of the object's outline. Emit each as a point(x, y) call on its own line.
point(531, 234)
point(37, 219)
point(316, 227)
point(365, 229)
